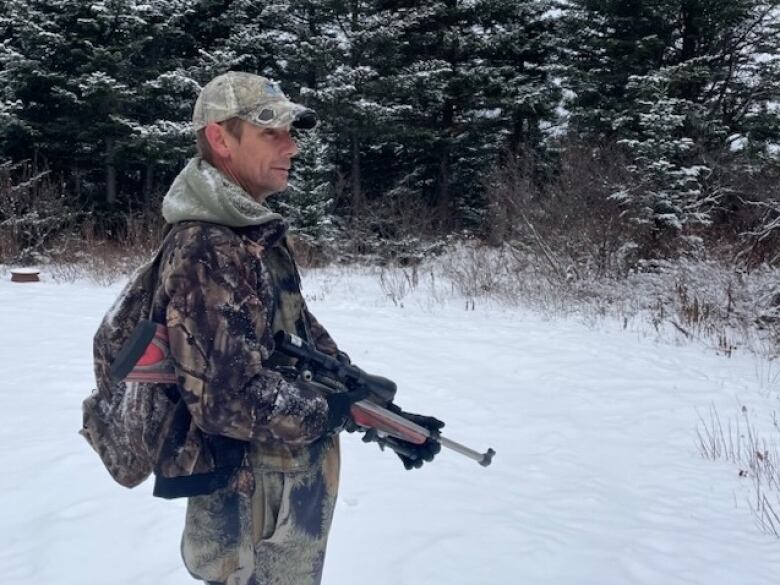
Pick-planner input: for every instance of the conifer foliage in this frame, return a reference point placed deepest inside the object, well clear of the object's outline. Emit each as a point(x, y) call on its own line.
point(419, 103)
point(687, 87)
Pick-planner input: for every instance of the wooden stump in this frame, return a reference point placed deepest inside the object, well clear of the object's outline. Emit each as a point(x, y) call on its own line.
point(25, 275)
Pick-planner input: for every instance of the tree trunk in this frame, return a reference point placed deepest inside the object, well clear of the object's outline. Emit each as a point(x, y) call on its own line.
point(517, 133)
point(691, 14)
point(77, 181)
point(690, 17)
point(443, 203)
point(110, 172)
point(358, 201)
point(148, 183)
point(357, 191)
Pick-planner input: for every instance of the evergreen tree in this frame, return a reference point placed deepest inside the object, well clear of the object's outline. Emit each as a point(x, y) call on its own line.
point(76, 108)
point(112, 110)
point(353, 99)
point(462, 81)
point(181, 58)
point(308, 204)
point(9, 104)
point(678, 85)
point(608, 42)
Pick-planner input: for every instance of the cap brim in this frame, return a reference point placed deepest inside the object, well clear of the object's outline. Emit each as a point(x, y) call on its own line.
point(305, 120)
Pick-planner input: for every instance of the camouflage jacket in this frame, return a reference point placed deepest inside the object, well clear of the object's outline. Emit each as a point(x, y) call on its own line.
point(223, 293)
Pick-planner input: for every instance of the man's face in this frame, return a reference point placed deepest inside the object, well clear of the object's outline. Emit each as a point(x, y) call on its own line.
point(260, 160)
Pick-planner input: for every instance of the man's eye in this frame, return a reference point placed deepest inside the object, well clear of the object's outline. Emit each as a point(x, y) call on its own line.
point(275, 133)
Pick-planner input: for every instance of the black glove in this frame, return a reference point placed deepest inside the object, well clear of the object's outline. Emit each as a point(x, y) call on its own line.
point(411, 455)
point(416, 455)
point(339, 405)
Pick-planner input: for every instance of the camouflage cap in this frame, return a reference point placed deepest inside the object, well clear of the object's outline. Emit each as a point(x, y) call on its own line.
point(252, 98)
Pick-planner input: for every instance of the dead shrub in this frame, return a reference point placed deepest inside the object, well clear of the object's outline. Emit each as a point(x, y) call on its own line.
point(33, 212)
point(104, 254)
point(571, 222)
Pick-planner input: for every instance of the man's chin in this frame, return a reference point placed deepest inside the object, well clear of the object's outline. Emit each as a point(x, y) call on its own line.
point(261, 195)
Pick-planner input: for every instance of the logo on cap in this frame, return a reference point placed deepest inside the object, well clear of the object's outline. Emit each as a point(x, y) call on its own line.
point(272, 89)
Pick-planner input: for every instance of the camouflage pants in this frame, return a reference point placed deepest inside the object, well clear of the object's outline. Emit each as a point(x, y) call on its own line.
point(275, 536)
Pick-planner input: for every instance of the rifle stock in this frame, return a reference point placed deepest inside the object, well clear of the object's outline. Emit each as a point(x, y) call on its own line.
point(145, 357)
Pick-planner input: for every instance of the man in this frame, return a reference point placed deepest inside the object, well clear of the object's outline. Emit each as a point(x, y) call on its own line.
point(256, 453)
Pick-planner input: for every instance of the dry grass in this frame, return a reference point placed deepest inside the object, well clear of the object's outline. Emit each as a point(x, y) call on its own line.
point(39, 226)
point(717, 304)
point(397, 282)
point(91, 255)
point(756, 457)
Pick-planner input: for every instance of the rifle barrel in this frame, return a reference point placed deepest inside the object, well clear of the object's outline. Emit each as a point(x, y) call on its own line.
point(484, 459)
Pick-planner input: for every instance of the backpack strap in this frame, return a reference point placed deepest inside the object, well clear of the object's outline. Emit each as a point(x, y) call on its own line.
point(228, 458)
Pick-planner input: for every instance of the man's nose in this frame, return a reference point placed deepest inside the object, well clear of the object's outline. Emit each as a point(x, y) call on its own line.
point(290, 146)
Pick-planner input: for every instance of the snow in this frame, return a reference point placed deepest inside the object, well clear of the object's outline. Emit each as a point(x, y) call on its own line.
point(737, 142)
point(25, 271)
point(488, 114)
point(597, 477)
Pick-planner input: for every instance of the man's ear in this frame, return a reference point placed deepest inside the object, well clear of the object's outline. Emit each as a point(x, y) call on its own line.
point(216, 135)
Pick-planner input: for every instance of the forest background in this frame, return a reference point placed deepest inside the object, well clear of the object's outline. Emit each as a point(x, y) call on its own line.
point(558, 149)
point(607, 158)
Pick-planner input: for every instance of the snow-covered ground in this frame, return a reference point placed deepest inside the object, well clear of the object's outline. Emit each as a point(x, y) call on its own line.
point(597, 477)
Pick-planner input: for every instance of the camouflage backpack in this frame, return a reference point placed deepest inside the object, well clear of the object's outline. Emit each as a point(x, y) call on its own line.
point(126, 422)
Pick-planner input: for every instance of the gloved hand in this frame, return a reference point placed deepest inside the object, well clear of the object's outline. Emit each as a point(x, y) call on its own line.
point(412, 456)
point(339, 405)
point(416, 455)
